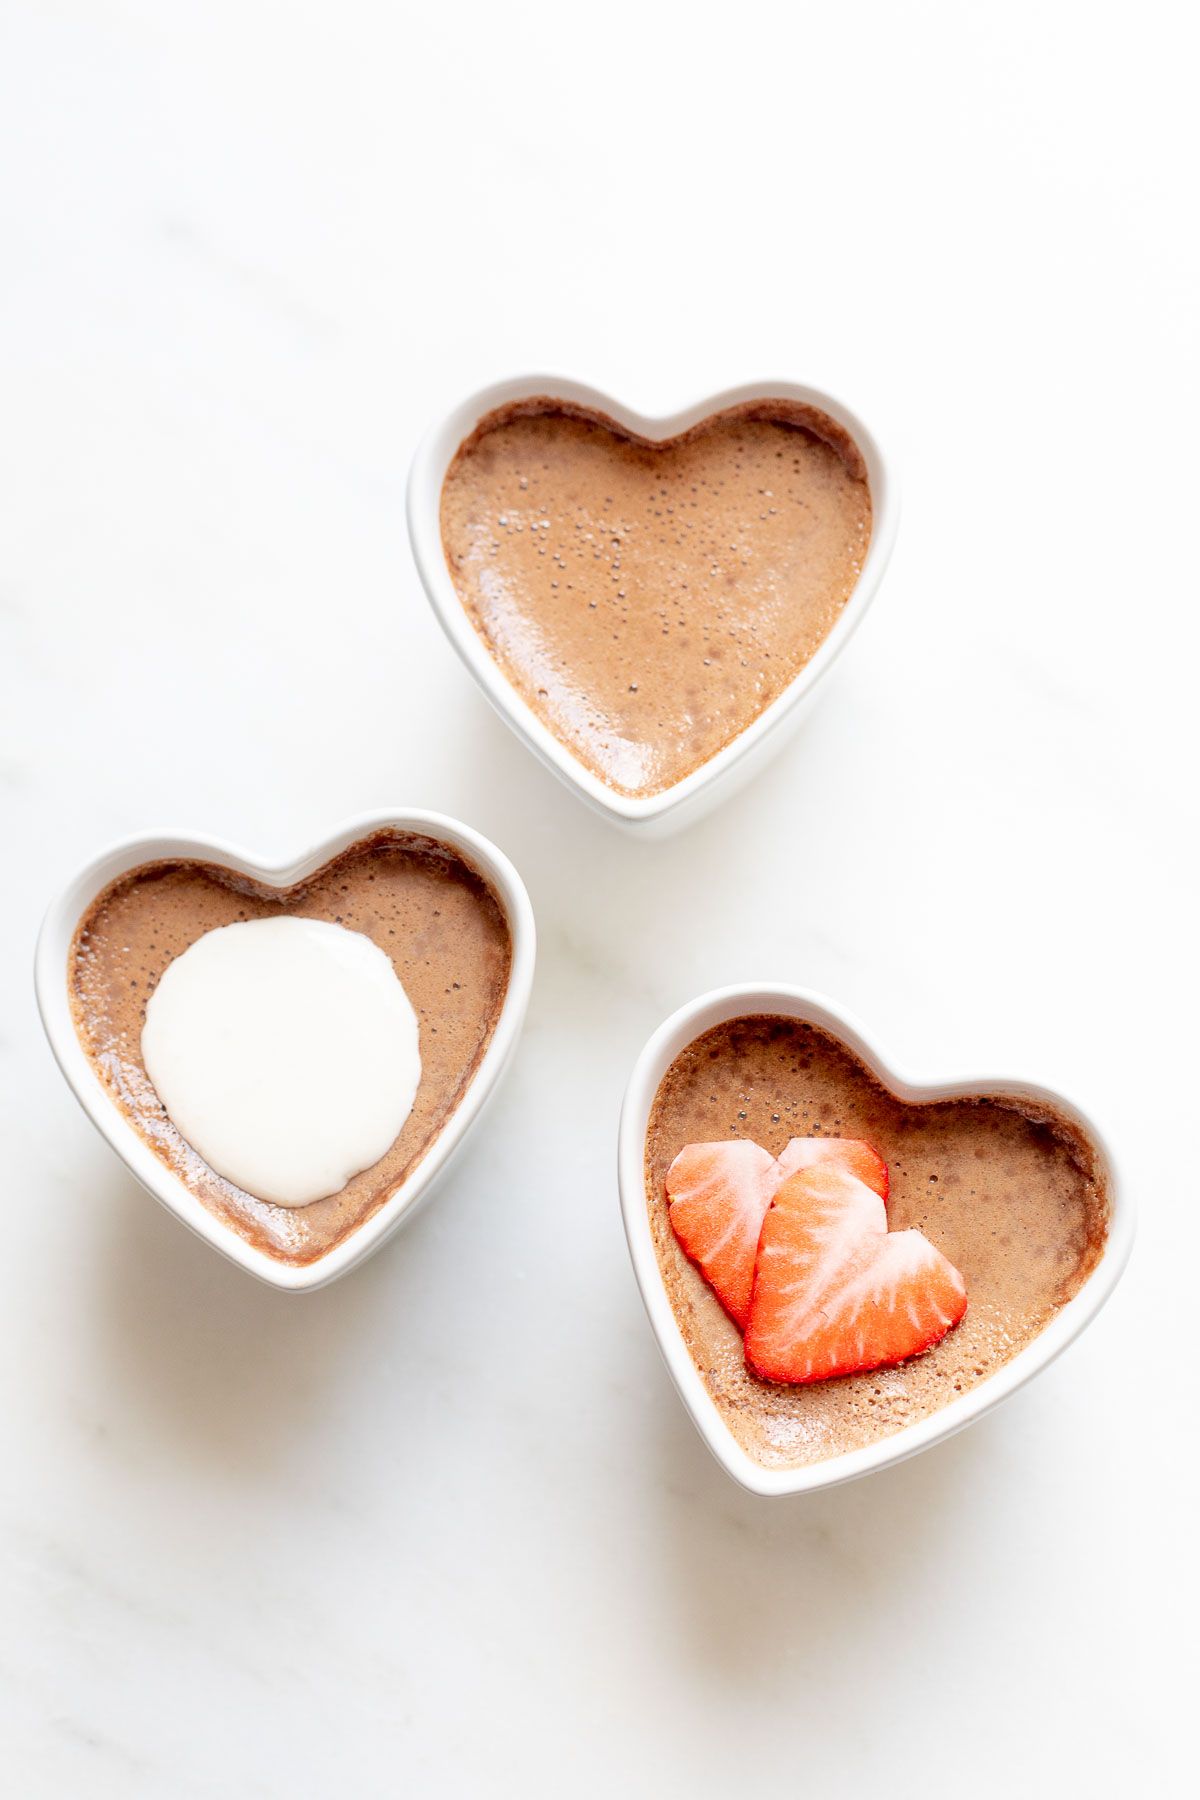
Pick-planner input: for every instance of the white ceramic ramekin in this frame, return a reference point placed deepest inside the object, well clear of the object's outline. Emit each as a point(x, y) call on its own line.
point(50, 974)
point(717, 778)
point(732, 1002)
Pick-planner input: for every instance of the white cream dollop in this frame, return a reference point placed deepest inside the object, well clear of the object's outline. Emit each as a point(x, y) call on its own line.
point(286, 1053)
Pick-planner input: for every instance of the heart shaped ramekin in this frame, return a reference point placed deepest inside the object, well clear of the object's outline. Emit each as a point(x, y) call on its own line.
point(791, 1002)
point(686, 800)
point(50, 974)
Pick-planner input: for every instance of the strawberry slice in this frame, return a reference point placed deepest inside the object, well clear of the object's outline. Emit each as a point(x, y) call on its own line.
point(718, 1195)
point(854, 1154)
point(836, 1293)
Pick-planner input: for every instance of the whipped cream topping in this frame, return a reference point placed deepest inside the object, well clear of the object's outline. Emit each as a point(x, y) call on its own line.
point(286, 1052)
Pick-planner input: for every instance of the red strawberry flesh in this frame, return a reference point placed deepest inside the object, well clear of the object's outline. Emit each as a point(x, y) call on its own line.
point(718, 1195)
point(836, 1293)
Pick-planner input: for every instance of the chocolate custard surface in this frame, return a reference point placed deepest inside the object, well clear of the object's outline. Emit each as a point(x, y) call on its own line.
point(417, 898)
point(1010, 1191)
point(649, 601)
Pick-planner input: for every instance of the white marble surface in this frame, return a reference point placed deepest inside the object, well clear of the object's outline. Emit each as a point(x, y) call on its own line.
point(443, 1529)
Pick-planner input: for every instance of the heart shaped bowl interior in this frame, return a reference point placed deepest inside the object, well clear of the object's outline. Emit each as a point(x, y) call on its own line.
point(729, 1003)
point(51, 978)
point(688, 798)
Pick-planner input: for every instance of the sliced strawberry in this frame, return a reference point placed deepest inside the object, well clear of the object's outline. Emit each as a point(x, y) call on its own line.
point(836, 1293)
point(718, 1196)
point(854, 1154)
